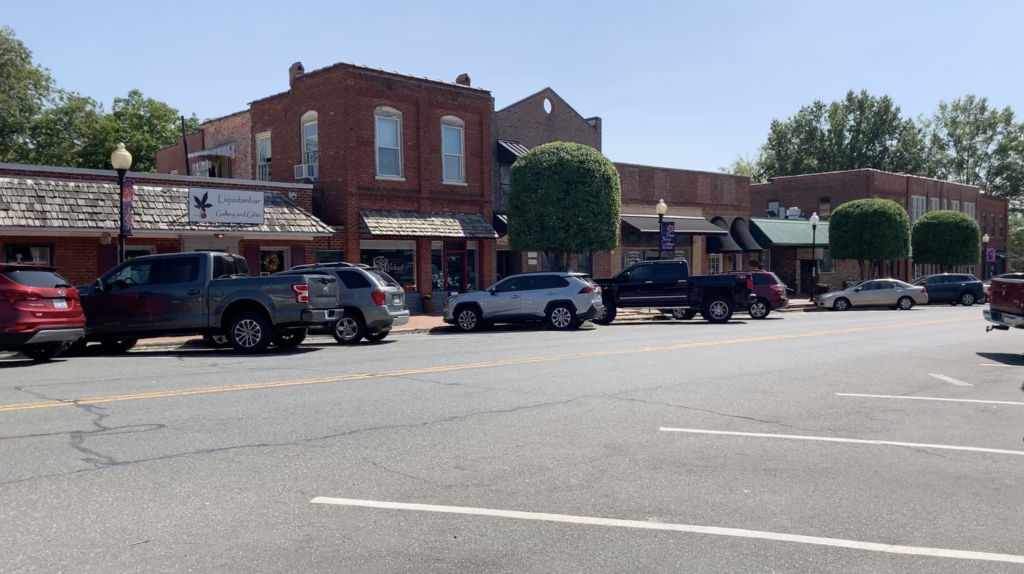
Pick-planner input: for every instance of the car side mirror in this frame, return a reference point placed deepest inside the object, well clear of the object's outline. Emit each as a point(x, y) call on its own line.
point(858, 288)
point(98, 285)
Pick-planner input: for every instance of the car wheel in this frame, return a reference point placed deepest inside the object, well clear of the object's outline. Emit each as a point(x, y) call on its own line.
point(561, 317)
point(42, 352)
point(117, 346)
point(377, 337)
point(467, 318)
point(759, 309)
point(905, 303)
point(608, 315)
point(683, 314)
point(290, 339)
point(967, 299)
point(349, 329)
point(250, 332)
point(841, 304)
point(717, 310)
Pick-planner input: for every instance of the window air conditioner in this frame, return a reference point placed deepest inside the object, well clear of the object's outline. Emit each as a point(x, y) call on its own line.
point(306, 171)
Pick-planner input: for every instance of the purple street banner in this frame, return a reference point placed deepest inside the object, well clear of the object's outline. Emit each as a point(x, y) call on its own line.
point(668, 236)
point(990, 255)
point(127, 199)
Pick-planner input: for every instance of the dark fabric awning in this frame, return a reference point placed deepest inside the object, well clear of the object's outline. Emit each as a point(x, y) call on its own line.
point(722, 243)
point(509, 151)
point(740, 231)
point(693, 225)
point(501, 223)
point(383, 222)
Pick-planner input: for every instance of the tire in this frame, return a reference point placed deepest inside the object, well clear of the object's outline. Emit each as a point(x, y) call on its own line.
point(717, 310)
point(608, 315)
point(467, 318)
point(377, 337)
point(841, 304)
point(683, 314)
point(759, 309)
point(250, 332)
point(290, 339)
point(117, 346)
point(43, 352)
point(905, 303)
point(561, 317)
point(350, 329)
point(967, 299)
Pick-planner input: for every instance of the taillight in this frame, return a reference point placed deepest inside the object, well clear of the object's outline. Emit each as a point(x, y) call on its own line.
point(923, 290)
point(750, 283)
point(18, 296)
point(378, 297)
point(301, 293)
point(587, 289)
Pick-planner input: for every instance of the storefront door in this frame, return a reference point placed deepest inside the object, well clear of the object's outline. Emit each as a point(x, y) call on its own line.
point(455, 270)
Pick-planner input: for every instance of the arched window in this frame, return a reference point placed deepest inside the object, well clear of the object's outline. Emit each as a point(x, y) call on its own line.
point(453, 155)
point(388, 130)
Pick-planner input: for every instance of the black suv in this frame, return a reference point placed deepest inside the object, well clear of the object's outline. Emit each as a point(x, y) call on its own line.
point(953, 288)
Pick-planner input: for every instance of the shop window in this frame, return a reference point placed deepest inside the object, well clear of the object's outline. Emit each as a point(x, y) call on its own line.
point(28, 253)
point(273, 260)
point(399, 263)
point(715, 263)
point(330, 256)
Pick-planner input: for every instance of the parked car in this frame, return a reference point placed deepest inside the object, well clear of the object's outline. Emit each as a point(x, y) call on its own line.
point(40, 312)
point(988, 284)
point(953, 288)
point(891, 293)
point(370, 301)
point(1006, 309)
point(561, 298)
point(771, 294)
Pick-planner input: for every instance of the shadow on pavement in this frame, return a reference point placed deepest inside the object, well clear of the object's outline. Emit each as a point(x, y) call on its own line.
point(1012, 359)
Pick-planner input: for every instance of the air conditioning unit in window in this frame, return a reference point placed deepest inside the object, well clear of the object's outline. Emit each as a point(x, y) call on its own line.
point(306, 171)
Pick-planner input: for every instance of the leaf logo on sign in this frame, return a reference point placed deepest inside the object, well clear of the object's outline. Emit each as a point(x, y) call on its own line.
point(201, 204)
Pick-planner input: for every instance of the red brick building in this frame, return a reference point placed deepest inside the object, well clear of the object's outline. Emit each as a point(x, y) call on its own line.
point(822, 193)
point(221, 148)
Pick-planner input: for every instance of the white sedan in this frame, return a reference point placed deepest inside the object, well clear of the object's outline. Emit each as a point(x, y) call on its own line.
point(891, 293)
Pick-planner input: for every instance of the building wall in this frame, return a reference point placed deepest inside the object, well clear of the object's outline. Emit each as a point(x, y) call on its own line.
point(171, 159)
point(234, 128)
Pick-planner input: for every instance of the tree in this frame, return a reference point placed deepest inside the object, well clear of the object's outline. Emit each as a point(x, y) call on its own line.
point(741, 166)
point(971, 143)
point(861, 131)
point(25, 89)
point(946, 238)
point(61, 133)
point(565, 199)
point(869, 230)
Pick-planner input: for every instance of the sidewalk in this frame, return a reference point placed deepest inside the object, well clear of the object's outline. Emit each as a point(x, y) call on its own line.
point(426, 322)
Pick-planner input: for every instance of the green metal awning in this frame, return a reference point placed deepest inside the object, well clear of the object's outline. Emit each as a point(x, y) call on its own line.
point(788, 232)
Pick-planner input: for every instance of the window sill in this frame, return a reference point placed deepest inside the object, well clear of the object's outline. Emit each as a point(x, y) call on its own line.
point(390, 177)
point(457, 183)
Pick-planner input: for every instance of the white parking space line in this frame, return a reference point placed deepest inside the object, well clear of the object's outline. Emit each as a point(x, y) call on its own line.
point(690, 528)
point(846, 440)
point(999, 365)
point(984, 402)
point(950, 380)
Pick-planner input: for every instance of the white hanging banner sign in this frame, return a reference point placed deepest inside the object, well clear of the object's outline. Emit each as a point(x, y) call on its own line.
point(224, 206)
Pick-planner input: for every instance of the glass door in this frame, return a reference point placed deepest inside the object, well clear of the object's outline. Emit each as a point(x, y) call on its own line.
point(455, 271)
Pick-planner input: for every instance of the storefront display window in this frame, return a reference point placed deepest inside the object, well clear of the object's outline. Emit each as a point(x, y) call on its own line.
point(24, 253)
point(273, 260)
point(332, 256)
point(399, 263)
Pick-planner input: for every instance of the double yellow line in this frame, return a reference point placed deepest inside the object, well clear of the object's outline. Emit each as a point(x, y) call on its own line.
point(441, 369)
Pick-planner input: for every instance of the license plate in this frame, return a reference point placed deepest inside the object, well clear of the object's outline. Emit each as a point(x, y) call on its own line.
point(396, 299)
point(60, 304)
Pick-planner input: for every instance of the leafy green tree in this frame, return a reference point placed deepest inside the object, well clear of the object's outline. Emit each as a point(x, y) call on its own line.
point(25, 90)
point(741, 166)
point(1015, 239)
point(870, 231)
point(974, 144)
point(60, 134)
point(861, 131)
point(946, 238)
point(565, 199)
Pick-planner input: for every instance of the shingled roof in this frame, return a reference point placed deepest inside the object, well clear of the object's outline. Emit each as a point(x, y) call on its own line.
point(381, 222)
point(75, 205)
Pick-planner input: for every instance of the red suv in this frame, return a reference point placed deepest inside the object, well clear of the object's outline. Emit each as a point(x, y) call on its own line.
point(40, 313)
point(771, 294)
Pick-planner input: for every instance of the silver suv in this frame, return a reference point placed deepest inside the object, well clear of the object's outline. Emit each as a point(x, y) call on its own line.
point(563, 299)
point(371, 301)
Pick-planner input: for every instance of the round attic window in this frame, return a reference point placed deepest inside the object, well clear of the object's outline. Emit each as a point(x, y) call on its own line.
point(547, 105)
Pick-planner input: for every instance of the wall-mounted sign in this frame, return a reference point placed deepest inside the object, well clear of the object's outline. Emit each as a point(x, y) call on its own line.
point(224, 206)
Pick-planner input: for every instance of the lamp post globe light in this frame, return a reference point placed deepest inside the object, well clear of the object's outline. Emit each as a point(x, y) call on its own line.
point(122, 162)
point(984, 255)
point(661, 209)
point(814, 251)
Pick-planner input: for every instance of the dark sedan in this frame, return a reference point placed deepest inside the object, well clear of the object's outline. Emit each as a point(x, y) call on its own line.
point(953, 288)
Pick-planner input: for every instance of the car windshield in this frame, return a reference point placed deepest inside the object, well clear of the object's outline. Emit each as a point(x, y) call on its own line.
point(36, 278)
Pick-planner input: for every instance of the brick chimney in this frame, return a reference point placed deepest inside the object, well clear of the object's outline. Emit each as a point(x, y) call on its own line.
point(294, 71)
point(462, 80)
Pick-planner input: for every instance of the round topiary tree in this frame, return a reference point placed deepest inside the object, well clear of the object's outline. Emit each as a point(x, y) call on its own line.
point(869, 231)
point(565, 199)
point(946, 238)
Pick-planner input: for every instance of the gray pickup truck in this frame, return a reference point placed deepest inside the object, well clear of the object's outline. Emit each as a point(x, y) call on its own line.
point(204, 293)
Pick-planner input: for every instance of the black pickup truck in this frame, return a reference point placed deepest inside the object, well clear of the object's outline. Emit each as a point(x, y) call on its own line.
point(204, 293)
point(668, 285)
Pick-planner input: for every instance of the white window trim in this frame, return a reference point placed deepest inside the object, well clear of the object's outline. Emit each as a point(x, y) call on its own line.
point(259, 160)
point(456, 123)
point(933, 204)
point(392, 113)
point(309, 118)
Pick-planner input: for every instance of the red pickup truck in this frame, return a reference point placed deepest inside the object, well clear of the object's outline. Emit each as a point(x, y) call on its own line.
point(1006, 304)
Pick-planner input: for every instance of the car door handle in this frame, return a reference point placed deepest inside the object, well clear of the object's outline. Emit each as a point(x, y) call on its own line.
point(648, 282)
point(193, 291)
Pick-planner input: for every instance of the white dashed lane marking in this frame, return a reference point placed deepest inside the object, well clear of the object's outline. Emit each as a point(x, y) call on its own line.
point(950, 380)
point(979, 401)
point(688, 528)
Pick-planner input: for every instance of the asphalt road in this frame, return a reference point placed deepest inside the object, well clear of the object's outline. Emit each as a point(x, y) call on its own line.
point(865, 441)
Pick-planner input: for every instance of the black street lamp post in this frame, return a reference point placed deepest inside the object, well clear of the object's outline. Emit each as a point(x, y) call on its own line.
point(814, 252)
point(661, 209)
point(122, 161)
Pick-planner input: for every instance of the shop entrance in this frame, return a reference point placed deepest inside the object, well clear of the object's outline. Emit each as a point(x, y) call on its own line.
point(455, 269)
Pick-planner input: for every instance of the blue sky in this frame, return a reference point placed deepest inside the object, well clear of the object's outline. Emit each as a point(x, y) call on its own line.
point(678, 84)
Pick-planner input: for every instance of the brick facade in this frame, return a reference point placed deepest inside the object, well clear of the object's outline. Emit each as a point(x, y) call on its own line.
point(233, 129)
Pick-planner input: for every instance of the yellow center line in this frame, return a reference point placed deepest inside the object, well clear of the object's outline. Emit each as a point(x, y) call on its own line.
point(445, 368)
